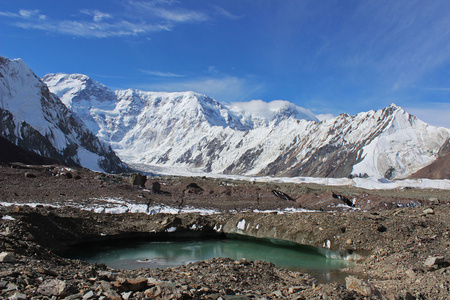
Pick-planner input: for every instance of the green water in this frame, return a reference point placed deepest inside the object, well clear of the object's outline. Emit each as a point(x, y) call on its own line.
point(141, 254)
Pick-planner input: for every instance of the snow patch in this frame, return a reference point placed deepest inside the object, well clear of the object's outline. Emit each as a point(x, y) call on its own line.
point(171, 229)
point(366, 183)
point(241, 224)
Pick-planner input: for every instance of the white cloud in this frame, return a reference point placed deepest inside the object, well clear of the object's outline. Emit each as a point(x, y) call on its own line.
point(437, 114)
point(213, 70)
point(93, 29)
point(24, 14)
point(104, 25)
point(97, 15)
point(172, 14)
point(8, 14)
point(28, 13)
point(223, 12)
point(137, 18)
point(262, 109)
point(181, 15)
point(259, 107)
point(160, 74)
point(98, 27)
point(322, 117)
point(224, 89)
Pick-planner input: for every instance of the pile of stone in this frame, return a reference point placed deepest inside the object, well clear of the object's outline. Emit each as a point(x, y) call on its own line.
point(220, 278)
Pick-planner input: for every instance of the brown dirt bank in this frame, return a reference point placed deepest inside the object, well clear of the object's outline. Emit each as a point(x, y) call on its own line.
point(405, 249)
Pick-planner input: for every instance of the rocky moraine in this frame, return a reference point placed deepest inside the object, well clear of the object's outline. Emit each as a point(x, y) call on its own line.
point(399, 239)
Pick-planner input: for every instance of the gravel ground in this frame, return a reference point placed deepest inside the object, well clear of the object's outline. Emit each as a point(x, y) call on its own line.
point(401, 237)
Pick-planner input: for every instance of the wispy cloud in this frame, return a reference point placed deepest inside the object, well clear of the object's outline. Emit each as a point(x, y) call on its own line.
point(322, 117)
point(223, 12)
point(181, 15)
point(402, 42)
point(213, 70)
point(166, 11)
point(98, 27)
point(160, 74)
point(141, 17)
point(24, 14)
point(30, 13)
point(97, 15)
point(93, 29)
point(224, 88)
point(440, 89)
point(260, 108)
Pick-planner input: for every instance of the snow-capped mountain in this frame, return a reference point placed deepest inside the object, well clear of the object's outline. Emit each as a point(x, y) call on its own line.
point(36, 120)
point(253, 138)
point(257, 113)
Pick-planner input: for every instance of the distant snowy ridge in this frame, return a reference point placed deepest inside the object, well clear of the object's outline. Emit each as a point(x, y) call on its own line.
point(191, 130)
point(258, 113)
point(36, 120)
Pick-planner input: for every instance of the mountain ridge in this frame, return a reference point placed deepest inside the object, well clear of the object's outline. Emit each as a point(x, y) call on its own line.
point(36, 120)
point(191, 130)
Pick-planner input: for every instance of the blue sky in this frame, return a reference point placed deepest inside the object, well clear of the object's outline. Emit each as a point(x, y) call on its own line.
point(327, 56)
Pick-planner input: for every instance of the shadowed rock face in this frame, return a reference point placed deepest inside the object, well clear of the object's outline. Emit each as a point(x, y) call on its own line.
point(48, 127)
point(327, 161)
point(30, 140)
point(13, 153)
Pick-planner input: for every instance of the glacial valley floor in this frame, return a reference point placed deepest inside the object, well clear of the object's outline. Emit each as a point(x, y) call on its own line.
point(400, 238)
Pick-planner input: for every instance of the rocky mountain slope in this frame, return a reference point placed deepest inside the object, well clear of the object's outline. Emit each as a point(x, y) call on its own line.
point(194, 131)
point(439, 169)
point(36, 120)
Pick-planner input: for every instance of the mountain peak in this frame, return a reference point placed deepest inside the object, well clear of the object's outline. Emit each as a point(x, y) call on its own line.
point(19, 64)
point(75, 79)
point(393, 107)
point(77, 87)
point(38, 121)
point(192, 130)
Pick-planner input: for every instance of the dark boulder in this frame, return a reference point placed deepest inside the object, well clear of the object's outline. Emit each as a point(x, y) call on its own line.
point(138, 179)
point(156, 187)
point(193, 188)
point(344, 199)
